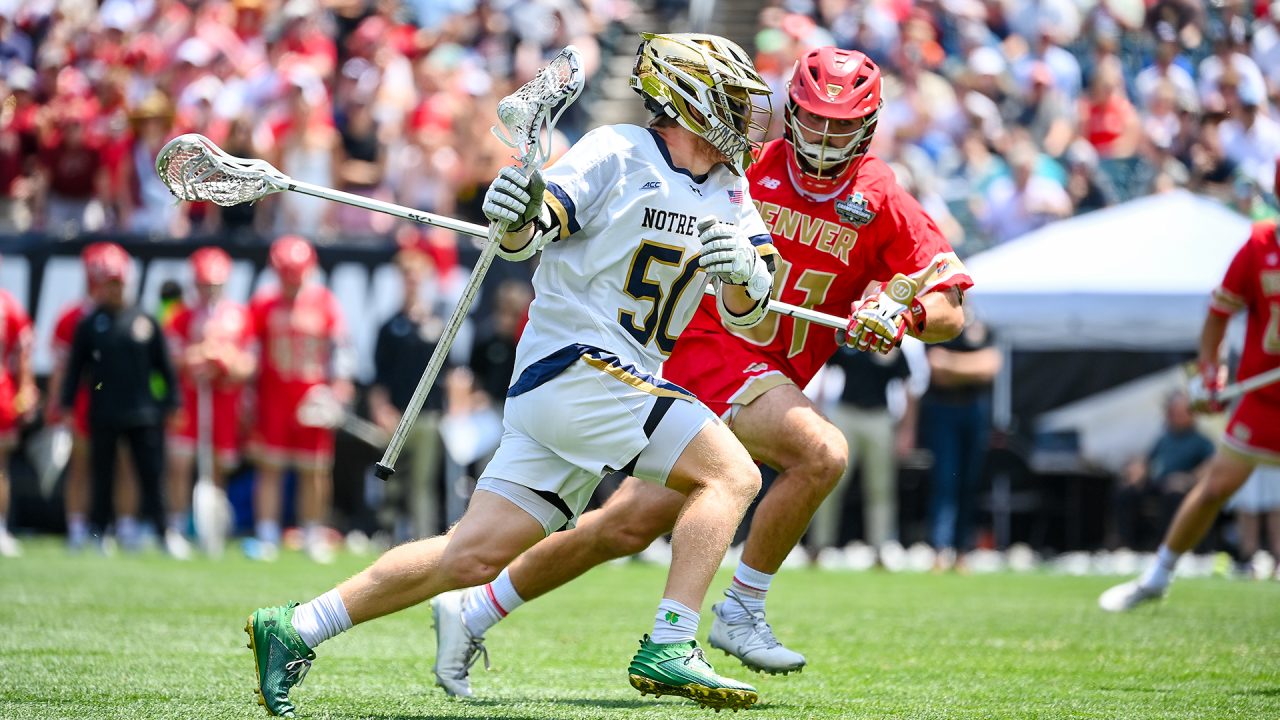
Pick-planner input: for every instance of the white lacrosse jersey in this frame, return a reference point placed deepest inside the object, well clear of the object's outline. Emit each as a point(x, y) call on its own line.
point(623, 276)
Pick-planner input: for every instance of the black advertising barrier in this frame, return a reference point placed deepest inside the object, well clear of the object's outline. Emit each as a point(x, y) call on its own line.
point(39, 248)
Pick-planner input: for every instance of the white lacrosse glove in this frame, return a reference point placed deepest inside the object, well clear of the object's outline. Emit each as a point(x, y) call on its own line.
point(728, 256)
point(514, 198)
point(878, 322)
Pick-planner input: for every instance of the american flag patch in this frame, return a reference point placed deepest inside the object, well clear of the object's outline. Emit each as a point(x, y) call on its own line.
point(735, 197)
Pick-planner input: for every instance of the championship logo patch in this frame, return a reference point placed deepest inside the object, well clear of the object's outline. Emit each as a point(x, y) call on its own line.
point(853, 210)
point(1242, 432)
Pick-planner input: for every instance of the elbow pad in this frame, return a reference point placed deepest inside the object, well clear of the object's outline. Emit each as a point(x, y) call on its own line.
point(546, 229)
point(742, 322)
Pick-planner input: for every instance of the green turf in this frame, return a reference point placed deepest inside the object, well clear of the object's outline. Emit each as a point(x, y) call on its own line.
point(86, 637)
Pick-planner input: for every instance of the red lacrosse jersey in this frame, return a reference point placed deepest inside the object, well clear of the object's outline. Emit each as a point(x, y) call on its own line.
point(225, 322)
point(297, 339)
point(830, 252)
point(16, 334)
point(64, 331)
point(1252, 283)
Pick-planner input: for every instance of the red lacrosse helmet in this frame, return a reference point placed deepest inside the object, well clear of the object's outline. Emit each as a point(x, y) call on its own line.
point(105, 261)
point(292, 258)
point(838, 85)
point(211, 265)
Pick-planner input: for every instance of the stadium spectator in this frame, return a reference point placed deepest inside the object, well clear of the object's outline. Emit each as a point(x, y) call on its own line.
point(1166, 474)
point(1164, 68)
point(1250, 139)
point(955, 422)
point(1014, 206)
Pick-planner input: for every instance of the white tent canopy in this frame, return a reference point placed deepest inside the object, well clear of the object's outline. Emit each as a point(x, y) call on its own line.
point(1132, 277)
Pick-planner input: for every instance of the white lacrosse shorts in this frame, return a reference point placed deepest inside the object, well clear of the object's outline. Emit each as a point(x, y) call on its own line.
point(597, 416)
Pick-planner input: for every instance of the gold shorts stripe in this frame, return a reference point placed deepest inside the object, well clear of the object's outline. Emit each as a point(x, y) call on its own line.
point(1248, 453)
point(636, 382)
point(759, 385)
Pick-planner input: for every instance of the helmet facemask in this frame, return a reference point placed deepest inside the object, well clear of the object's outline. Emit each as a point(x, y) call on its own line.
point(708, 86)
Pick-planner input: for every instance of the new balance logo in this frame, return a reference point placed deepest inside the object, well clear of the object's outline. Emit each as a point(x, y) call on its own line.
point(651, 185)
point(769, 182)
point(696, 190)
point(757, 367)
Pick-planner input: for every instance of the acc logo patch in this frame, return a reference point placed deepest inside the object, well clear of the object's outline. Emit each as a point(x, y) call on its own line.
point(853, 210)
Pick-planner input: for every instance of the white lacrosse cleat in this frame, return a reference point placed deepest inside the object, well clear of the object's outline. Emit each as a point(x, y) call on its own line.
point(176, 545)
point(9, 545)
point(751, 640)
point(320, 551)
point(456, 648)
point(1127, 596)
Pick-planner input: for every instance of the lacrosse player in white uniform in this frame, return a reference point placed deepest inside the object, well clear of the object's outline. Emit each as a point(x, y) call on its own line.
point(631, 222)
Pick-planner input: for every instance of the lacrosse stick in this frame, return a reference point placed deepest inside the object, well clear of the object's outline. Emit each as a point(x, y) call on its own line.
point(1257, 382)
point(320, 409)
point(525, 116)
point(901, 286)
point(197, 170)
point(209, 505)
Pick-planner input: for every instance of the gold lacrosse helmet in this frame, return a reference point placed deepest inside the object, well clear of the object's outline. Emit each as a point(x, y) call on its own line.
point(708, 85)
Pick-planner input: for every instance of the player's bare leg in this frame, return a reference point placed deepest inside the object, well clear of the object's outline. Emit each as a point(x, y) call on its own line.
point(9, 546)
point(781, 428)
point(315, 496)
point(1227, 472)
point(784, 430)
point(178, 495)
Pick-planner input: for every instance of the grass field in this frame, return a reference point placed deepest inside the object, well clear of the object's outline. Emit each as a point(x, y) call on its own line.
point(87, 637)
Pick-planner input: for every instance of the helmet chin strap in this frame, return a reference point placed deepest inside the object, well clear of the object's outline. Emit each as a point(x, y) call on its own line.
point(798, 184)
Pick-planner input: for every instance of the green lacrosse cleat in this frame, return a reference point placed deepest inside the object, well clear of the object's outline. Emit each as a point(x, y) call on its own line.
point(681, 669)
point(281, 657)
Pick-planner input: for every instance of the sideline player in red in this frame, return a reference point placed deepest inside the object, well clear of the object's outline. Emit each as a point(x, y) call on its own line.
point(18, 398)
point(303, 345)
point(842, 226)
point(1252, 437)
point(207, 343)
point(76, 492)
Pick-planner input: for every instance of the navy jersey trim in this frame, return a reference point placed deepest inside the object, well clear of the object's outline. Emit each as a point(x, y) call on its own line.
point(666, 155)
point(570, 210)
point(546, 370)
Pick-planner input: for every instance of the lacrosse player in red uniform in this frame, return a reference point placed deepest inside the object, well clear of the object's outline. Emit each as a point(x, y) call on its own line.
point(18, 396)
point(1252, 437)
point(207, 343)
point(842, 228)
point(303, 348)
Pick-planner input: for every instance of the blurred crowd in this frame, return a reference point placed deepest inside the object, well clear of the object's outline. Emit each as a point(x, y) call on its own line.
point(375, 98)
point(1003, 115)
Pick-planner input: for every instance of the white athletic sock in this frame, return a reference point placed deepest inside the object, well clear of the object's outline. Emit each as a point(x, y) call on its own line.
point(483, 607)
point(321, 619)
point(267, 531)
point(674, 623)
point(751, 587)
point(1160, 574)
point(4, 525)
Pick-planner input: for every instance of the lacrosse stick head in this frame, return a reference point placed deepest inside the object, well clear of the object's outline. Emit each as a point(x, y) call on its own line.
point(196, 170)
point(530, 114)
